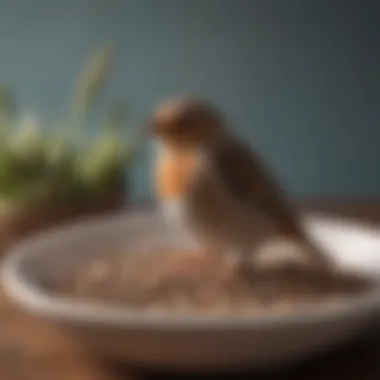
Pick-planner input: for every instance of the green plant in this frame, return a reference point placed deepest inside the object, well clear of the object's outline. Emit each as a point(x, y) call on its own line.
point(39, 167)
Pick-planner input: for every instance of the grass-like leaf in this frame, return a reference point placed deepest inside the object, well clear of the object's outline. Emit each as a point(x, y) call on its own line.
point(39, 167)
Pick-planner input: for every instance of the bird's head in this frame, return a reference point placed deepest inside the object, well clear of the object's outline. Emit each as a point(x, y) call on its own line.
point(186, 123)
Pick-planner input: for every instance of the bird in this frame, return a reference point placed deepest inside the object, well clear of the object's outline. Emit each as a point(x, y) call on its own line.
point(218, 188)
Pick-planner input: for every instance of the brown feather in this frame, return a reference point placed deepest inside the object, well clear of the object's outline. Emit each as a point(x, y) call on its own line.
point(251, 183)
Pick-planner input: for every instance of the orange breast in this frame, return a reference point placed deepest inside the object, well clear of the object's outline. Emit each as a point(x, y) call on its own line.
point(173, 171)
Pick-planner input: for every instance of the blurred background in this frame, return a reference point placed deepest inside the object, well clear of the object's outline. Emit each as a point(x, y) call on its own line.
point(299, 79)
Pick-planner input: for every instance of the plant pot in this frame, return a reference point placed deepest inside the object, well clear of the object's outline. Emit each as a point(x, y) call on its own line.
point(18, 224)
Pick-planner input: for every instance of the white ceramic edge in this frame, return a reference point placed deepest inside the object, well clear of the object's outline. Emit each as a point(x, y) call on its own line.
point(58, 308)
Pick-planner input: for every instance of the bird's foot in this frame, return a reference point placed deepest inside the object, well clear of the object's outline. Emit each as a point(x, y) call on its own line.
point(205, 263)
point(192, 263)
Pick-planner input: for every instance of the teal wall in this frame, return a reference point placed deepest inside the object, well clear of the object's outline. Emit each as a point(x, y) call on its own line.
point(299, 78)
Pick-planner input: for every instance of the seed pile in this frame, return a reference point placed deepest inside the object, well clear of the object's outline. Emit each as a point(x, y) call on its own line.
point(172, 281)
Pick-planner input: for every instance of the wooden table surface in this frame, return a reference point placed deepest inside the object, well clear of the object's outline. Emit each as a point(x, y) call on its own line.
point(32, 350)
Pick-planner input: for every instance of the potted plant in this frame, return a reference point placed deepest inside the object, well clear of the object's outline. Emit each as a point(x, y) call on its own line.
point(54, 175)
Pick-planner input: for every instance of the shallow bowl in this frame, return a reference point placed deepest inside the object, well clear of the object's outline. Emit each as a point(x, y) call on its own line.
point(188, 342)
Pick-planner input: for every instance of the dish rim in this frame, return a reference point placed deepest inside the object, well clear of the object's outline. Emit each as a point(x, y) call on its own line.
point(24, 291)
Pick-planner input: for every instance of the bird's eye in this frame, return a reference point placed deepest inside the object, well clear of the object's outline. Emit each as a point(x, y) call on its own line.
point(189, 120)
point(185, 121)
point(150, 127)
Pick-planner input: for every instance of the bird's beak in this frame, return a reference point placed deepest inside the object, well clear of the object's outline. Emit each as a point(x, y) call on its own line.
point(148, 129)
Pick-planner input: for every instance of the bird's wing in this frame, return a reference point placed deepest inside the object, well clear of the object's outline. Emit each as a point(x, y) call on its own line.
point(247, 180)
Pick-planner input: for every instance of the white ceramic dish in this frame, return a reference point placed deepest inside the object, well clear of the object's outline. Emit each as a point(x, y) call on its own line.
point(188, 342)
